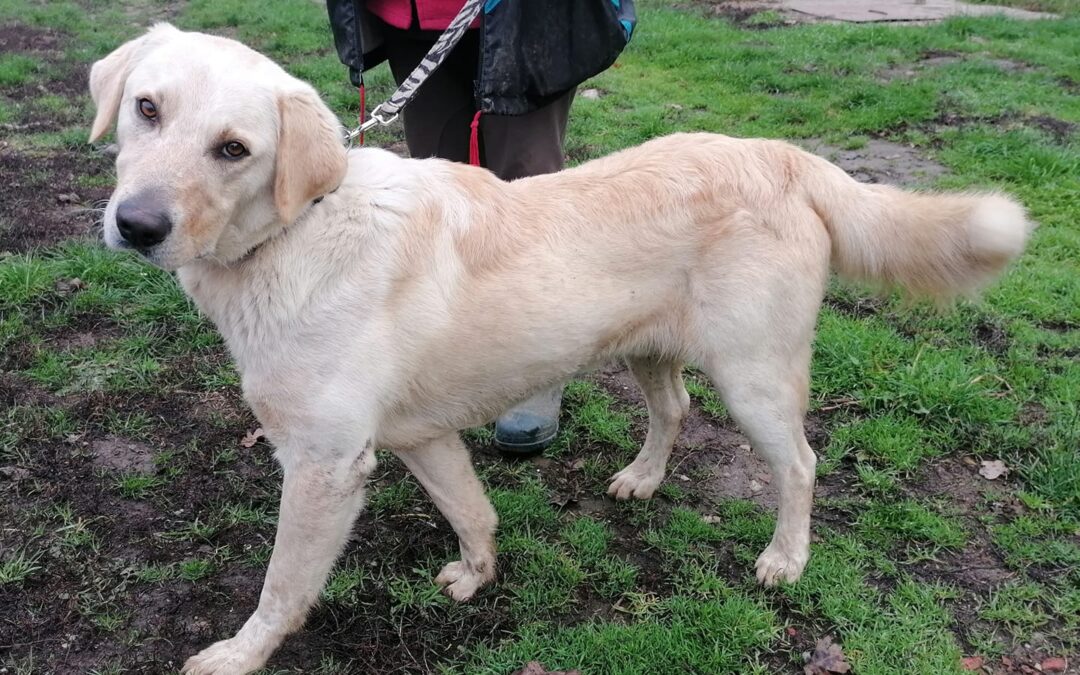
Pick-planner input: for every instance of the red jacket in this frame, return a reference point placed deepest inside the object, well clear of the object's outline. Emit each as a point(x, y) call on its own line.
point(433, 14)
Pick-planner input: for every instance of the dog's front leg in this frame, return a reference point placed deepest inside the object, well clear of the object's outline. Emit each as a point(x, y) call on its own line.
point(444, 469)
point(320, 497)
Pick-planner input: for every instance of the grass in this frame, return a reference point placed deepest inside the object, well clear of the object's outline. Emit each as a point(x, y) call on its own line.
point(917, 560)
point(18, 567)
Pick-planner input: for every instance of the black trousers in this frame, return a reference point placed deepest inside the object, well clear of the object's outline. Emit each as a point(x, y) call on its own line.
point(437, 120)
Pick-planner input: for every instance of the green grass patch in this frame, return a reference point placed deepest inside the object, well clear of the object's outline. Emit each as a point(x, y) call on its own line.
point(16, 69)
point(18, 567)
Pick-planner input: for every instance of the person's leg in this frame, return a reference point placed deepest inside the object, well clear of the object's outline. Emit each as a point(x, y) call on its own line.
point(437, 120)
point(516, 146)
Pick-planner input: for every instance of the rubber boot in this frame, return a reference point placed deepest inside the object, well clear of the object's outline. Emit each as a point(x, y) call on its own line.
point(530, 426)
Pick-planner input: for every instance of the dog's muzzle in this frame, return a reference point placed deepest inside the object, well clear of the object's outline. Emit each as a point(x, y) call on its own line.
point(143, 220)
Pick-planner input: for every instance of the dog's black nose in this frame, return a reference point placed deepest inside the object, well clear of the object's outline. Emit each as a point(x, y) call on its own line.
point(143, 221)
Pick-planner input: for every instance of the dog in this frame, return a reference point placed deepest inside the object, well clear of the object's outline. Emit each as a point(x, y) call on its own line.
point(357, 291)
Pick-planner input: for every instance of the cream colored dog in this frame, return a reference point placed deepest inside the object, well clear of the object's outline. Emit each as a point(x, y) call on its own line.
point(358, 291)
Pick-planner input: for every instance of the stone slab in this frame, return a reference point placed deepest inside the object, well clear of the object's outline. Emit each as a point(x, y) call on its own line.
point(878, 11)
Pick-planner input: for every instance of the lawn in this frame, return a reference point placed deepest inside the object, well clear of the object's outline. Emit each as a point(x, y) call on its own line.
point(137, 512)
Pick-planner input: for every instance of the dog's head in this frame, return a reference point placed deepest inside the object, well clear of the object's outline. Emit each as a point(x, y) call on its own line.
point(219, 148)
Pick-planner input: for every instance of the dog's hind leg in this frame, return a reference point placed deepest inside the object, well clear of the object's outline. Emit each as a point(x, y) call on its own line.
point(668, 403)
point(766, 395)
point(320, 496)
point(444, 469)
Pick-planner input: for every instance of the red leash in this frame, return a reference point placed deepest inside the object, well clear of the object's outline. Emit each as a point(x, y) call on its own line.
point(360, 117)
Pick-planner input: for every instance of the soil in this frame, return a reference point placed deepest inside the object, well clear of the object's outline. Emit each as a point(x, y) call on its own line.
point(20, 39)
point(740, 11)
point(880, 161)
point(118, 454)
point(42, 200)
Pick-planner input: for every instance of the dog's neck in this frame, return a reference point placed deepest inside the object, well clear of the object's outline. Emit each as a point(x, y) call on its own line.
point(339, 253)
point(279, 230)
point(330, 250)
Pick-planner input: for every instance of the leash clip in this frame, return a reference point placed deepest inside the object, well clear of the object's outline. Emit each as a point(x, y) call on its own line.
point(378, 118)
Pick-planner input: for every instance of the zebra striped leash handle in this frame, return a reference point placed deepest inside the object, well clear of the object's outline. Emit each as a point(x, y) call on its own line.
point(388, 111)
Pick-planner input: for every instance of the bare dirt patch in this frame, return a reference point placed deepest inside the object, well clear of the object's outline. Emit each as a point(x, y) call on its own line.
point(119, 454)
point(20, 39)
point(992, 336)
point(42, 200)
point(1060, 130)
point(744, 13)
point(880, 161)
point(44, 45)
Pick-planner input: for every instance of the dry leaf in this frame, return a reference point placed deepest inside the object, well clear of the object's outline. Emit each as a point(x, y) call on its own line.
point(14, 473)
point(1054, 664)
point(534, 668)
point(252, 437)
point(67, 286)
point(993, 469)
point(561, 499)
point(827, 658)
point(971, 663)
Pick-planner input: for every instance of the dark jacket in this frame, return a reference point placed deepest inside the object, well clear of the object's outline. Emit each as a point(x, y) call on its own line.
point(531, 51)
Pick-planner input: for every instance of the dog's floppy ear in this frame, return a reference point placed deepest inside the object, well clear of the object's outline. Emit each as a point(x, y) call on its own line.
point(109, 75)
point(311, 158)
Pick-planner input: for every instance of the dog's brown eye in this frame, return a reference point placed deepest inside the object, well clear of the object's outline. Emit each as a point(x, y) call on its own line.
point(147, 108)
point(234, 150)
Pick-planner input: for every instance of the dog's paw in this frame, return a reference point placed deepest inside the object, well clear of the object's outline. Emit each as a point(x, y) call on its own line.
point(234, 656)
point(775, 565)
point(460, 581)
point(634, 482)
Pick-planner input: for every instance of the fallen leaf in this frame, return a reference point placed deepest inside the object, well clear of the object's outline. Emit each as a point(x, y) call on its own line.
point(561, 499)
point(712, 520)
point(534, 668)
point(1054, 664)
point(69, 285)
point(14, 473)
point(993, 469)
point(592, 94)
point(252, 437)
point(971, 663)
point(827, 658)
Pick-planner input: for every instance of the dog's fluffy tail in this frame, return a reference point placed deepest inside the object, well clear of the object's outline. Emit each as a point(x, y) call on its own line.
point(937, 245)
